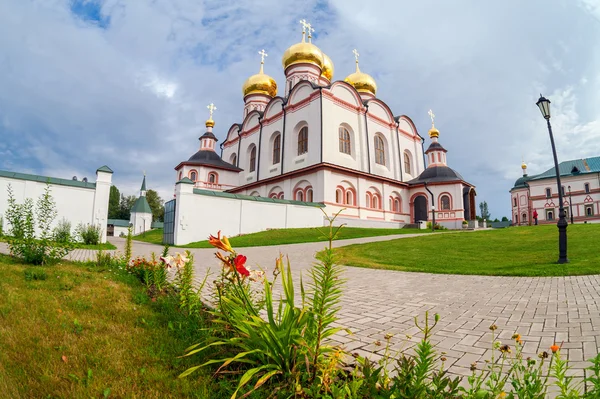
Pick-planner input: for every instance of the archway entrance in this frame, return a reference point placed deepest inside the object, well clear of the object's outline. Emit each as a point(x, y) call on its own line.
point(420, 208)
point(469, 203)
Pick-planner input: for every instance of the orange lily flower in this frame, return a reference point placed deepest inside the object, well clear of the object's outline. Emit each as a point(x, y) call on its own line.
point(220, 243)
point(239, 261)
point(225, 259)
point(555, 348)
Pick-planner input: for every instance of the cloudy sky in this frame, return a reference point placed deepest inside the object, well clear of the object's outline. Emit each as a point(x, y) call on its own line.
point(125, 83)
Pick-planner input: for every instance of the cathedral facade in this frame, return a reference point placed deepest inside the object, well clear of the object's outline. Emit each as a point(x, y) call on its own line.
point(331, 142)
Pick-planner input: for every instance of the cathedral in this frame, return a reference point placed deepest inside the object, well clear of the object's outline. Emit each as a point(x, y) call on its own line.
point(332, 142)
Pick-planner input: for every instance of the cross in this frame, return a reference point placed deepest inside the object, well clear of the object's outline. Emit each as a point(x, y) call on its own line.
point(183, 223)
point(304, 26)
point(211, 108)
point(262, 56)
point(310, 30)
point(432, 116)
point(356, 55)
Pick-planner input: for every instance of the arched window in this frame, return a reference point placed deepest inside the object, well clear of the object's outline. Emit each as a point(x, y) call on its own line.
point(213, 178)
point(349, 198)
point(345, 144)
point(281, 195)
point(339, 197)
point(368, 200)
point(379, 151)
point(445, 202)
point(193, 176)
point(391, 204)
point(233, 160)
point(515, 201)
point(407, 163)
point(375, 202)
point(309, 194)
point(277, 149)
point(396, 205)
point(180, 175)
point(303, 141)
point(253, 159)
point(299, 195)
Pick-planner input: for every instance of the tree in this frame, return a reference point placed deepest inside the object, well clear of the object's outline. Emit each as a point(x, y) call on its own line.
point(113, 203)
point(504, 219)
point(156, 204)
point(125, 206)
point(483, 207)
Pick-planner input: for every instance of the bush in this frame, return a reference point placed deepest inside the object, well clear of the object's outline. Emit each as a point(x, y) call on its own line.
point(437, 226)
point(1, 226)
point(151, 272)
point(62, 232)
point(23, 219)
point(89, 234)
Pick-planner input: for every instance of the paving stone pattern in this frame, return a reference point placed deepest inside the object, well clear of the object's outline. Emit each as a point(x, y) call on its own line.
point(544, 310)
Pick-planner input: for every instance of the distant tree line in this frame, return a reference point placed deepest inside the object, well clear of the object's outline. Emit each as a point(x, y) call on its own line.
point(119, 205)
point(484, 213)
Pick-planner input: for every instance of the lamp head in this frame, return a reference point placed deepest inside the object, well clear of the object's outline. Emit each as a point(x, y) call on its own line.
point(544, 105)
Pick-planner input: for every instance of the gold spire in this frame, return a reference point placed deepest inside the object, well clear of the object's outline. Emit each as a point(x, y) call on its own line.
point(433, 132)
point(362, 82)
point(261, 83)
point(211, 108)
point(303, 52)
point(523, 165)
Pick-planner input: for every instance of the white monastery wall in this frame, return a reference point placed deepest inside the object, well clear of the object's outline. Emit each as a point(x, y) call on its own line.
point(87, 205)
point(335, 117)
point(306, 114)
point(198, 215)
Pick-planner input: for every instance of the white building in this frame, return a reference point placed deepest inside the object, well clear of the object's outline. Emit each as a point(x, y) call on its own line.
point(331, 142)
point(78, 202)
point(580, 180)
point(141, 213)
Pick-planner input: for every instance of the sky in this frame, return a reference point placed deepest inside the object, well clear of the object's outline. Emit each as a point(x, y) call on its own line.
point(86, 83)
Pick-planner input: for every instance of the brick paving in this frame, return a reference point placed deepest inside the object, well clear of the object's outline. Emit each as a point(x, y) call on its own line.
point(544, 310)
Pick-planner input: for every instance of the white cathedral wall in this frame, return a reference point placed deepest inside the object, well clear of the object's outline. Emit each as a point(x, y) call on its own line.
point(74, 204)
point(306, 115)
point(226, 179)
point(198, 216)
point(334, 117)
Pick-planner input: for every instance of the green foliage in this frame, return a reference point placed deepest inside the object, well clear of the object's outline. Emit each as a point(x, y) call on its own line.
point(504, 219)
point(62, 232)
point(484, 212)
point(156, 204)
point(1, 226)
point(113, 203)
point(89, 234)
point(35, 274)
point(23, 220)
point(125, 206)
point(190, 300)
point(151, 272)
point(437, 226)
point(128, 244)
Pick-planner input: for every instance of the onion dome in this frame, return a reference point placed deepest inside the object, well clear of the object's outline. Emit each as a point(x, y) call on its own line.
point(433, 132)
point(261, 83)
point(303, 52)
point(362, 82)
point(524, 166)
point(327, 71)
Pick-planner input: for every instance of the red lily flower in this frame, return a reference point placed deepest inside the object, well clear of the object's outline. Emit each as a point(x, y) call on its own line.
point(239, 261)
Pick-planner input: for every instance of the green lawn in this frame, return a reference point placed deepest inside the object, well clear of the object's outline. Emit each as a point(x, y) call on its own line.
point(283, 236)
point(89, 333)
point(106, 246)
point(516, 251)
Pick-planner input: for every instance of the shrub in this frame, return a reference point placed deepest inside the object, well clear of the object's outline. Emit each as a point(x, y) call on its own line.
point(1, 226)
point(23, 220)
point(89, 234)
point(189, 297)
point(151, 272)
point(437, 226)
point(62, 232)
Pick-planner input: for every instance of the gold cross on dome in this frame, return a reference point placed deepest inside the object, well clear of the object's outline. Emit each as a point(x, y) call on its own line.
point(262, 54)
point(432, 116)
point(304, 26)
point(356, 55)
point(310, 30)
point(211, 108)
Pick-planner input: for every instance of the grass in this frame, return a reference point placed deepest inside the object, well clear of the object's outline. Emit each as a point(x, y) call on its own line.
point(74, 331)
point(517, 251)
point(106, 246)
point(283, 236)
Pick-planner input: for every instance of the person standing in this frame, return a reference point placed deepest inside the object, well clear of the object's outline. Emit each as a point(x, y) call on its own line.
point(535, 216)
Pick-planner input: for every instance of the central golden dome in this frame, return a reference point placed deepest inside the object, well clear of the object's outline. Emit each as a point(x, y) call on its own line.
point(261, 83)
point(362, 82)
point(302, 52)
point(327, 70)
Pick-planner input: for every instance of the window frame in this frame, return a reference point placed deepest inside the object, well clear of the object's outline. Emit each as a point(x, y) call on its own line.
point(276, 156)
point(548, 192)
point(379, 150)
point(407, 163)
point(345, 142)
point(586, 188)
point(252, 165)
point(303, 140)
point(449, 204)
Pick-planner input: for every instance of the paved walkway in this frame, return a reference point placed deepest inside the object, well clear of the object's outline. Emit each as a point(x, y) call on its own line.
point(376, 302)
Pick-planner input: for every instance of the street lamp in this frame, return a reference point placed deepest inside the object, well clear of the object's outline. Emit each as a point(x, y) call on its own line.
point(544, 106)
point(570, 205)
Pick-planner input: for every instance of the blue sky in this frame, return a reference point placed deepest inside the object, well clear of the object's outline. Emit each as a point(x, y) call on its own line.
point(125, 83)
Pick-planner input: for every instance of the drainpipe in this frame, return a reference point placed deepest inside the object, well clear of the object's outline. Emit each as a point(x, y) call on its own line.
point(283, 103)
point(321, 100)
point(237, 160)
point(221, 146)
point(399, 151)
point(423, 152)
point(367, 133)
point(260, 117)
point(432, 207)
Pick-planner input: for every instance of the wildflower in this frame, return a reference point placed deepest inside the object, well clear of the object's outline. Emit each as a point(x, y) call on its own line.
point(178, 260)
point(493, 327)
point(517, 338)
point(505, 349)
point(388, 336)
point(225, 259)
point(555, 348)
point(256, 275)
point(239, 262)
point(544, 355)
point(501, 395)
point(378, 343)
point(473, 366)
point(220, 243)
point(443, 358)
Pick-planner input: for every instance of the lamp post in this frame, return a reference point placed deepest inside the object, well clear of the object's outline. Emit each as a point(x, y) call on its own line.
point(570, 205)
point(544, 106)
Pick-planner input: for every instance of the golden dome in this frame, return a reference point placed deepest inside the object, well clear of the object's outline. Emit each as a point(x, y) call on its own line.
point(433, 132)
point(302, 52)
point(523, 166)
point(327, 71)
point(210, 123)
point(261, 83)
point(362, 82)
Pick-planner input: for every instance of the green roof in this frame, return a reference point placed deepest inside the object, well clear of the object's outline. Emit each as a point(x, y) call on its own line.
point(104, 169)
point(143, 184)
point(259, 199)
point(572, 168)
point(185, 180)
point(118, 222)
point(46, 179)
point(141, 206)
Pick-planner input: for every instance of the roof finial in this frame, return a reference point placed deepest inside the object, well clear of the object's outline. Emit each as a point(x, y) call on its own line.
point(211, 108)
point(432, 116)
point(356, 55)
point(304, 26)
point(262, 54)
point(433, 132)
point(309, 30)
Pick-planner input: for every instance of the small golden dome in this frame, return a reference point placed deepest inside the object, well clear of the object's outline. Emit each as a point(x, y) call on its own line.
point(362, 82)
point(327, 71)
point(302, 53)
point(433, 132)
point(210, 123)
point(261, 83)
point(523, 166)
